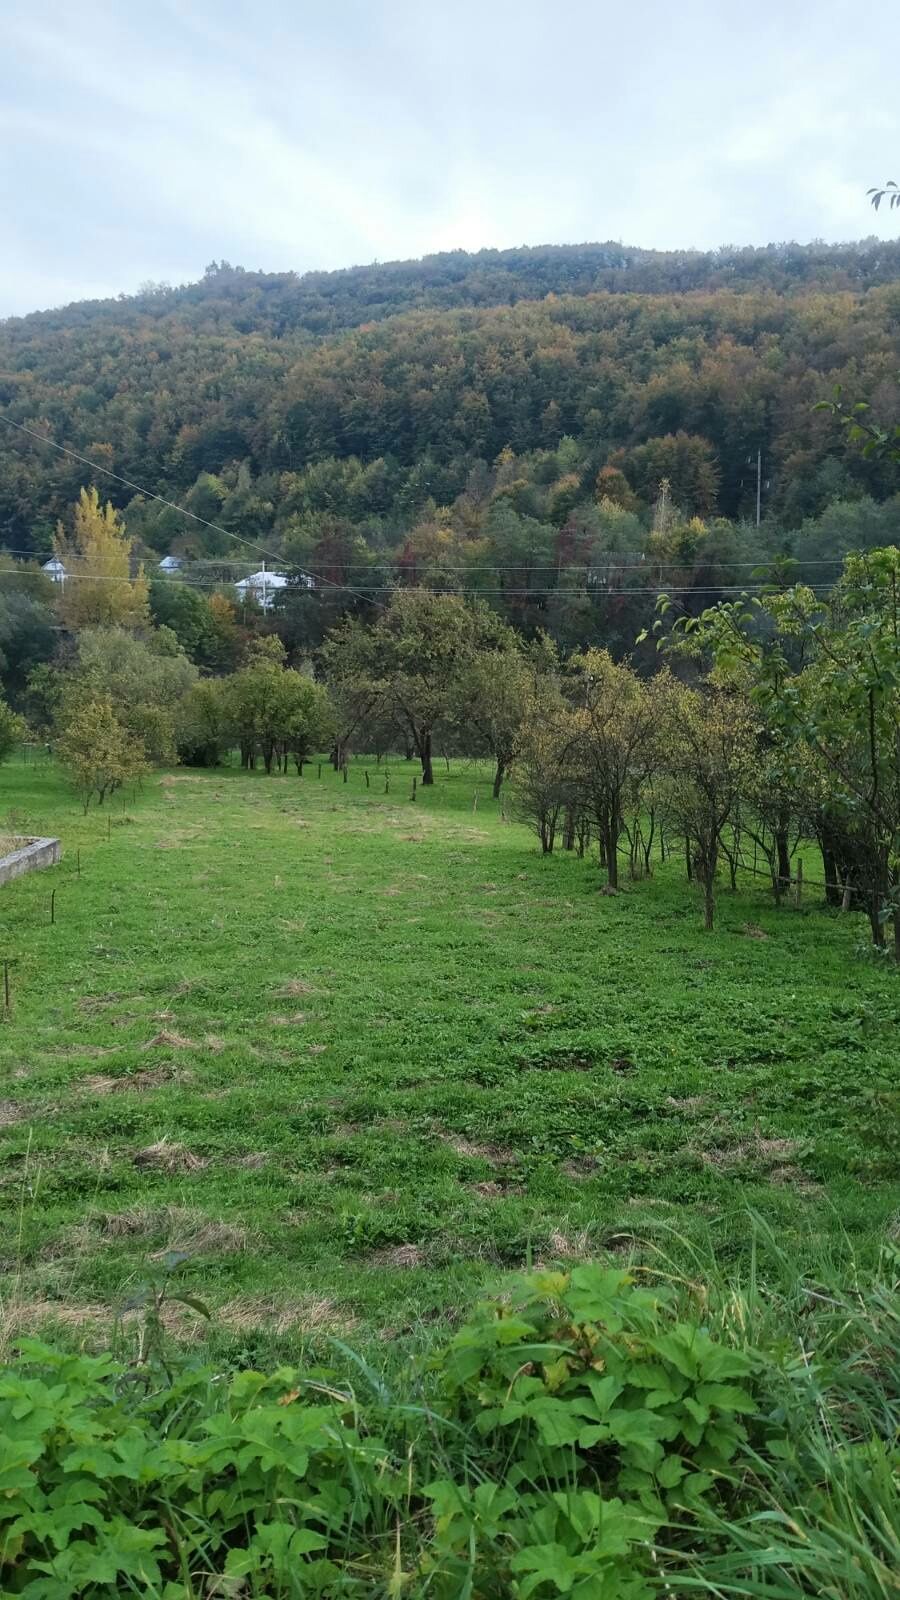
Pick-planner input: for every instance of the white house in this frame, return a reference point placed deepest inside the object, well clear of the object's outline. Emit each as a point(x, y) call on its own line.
point(171, 563)
point(55, 570)
point(262, 585)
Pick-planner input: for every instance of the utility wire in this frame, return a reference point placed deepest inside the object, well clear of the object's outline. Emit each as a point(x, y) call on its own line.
point(161, 499)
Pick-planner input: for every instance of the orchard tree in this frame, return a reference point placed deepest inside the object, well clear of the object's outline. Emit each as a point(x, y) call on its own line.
point(12, 730)
point(545, 771)
point(709, 745)
point(616, 717)
point(204, 730)
point(411, 661)
point(98, 752)
point(99, 589)
point(491, 702)
point(144, 679)
point(826, 671)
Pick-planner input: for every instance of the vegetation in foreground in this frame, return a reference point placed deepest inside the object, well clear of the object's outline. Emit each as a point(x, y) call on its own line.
point(354, 1055)
point(585, 1434)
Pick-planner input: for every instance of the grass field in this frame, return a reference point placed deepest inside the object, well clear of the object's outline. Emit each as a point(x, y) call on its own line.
point(356, 1055)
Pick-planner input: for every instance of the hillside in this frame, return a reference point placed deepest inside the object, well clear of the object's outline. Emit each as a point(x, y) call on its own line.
point(269, 402)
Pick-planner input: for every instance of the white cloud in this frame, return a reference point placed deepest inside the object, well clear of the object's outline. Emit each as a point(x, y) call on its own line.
point(141, 143)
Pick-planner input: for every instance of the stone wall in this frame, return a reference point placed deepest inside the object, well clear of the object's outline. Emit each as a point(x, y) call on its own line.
point(30, 857)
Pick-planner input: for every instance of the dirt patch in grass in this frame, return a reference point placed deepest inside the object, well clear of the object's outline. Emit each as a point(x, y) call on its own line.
point(687, 1102)
point(11, 1113)
point(497, 1154)
point(253, 1160)
point(165, 1156)
point(295, 987)
point(580, 1167)
point(295, 1021)
point(791, 1177)
point(97, 1002)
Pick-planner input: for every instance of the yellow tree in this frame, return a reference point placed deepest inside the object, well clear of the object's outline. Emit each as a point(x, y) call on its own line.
point(98, 589)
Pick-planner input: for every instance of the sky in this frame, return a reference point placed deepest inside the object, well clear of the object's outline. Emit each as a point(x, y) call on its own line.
point(140, 141)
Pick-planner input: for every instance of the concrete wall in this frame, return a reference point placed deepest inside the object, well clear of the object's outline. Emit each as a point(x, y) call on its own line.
point(34, 854)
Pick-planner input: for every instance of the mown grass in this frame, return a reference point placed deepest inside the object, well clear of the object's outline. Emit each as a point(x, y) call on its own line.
point(356, 1056)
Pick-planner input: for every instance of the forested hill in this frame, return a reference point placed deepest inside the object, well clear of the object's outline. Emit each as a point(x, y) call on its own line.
point(329, 416)
point(326, 302)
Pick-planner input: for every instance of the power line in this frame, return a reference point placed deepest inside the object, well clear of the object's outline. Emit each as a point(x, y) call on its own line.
point(161, 499)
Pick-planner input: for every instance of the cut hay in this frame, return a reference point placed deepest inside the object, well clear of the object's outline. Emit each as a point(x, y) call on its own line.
point(266, 1314)
point(399, 1256)
point(168, 1157)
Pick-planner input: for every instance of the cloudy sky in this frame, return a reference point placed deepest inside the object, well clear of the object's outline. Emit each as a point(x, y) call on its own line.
point(140, 141)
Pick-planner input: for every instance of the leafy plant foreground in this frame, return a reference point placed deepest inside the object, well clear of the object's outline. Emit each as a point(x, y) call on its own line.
point(584, 1435)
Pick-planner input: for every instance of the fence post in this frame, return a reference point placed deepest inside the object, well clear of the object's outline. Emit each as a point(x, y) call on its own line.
point(367, 779)
point(798, 884)
point(52, 907)
point(413, 795)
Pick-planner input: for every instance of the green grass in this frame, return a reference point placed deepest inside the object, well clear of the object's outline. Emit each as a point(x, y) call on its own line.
point(357, 1056)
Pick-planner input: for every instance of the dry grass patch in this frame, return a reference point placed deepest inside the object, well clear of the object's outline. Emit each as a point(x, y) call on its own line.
point(310, 1314)
point(497, 1154)
point(11, 1113)
point(571, 1246)
point(754, 1151)
point(135, 1082)
point(399, 1255)
point(167, 1040)
point(295, 987)
point(166, 1156)
point(295, 1021)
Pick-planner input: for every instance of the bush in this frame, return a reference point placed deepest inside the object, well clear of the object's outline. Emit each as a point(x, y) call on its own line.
point(582, 1435)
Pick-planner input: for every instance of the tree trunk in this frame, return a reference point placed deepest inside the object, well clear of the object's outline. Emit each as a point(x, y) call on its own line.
point(425, 757)
point(687, 859)
point(784, 856)
point(569, 829)
point(499, 775)
point(612, 854)
point(709, 904)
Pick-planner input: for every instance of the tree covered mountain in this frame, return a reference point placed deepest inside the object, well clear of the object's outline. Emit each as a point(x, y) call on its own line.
point(499, 401)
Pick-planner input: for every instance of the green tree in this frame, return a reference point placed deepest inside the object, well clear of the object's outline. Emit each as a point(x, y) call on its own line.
point(411, 662)
point(12, 730)
point(616, 717)
point(144, 679)
point(98, 752)
point(709, 747)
